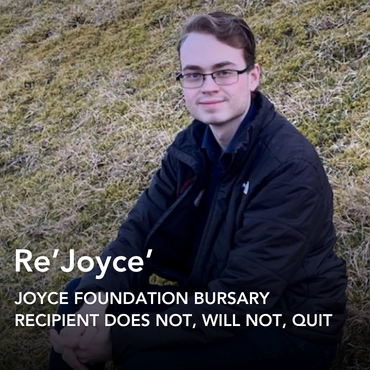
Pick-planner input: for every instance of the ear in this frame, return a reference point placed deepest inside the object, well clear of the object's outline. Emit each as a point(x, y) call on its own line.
point(254, 77)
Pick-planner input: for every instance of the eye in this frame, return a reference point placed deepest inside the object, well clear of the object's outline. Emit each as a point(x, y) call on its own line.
point(192, 76)
point(223, 73)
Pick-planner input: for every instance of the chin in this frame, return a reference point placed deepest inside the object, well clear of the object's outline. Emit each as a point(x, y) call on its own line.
point(217, 121)
point(210, 119)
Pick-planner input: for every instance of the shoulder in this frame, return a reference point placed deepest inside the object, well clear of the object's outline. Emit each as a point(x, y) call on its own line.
point(281, 151)
point(280, 140)
point(186, 147)
point(191, 137)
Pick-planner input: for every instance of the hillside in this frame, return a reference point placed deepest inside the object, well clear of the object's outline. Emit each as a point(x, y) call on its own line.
point(88, 104)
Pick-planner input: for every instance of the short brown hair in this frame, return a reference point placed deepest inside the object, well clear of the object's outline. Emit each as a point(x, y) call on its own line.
point(227, 28)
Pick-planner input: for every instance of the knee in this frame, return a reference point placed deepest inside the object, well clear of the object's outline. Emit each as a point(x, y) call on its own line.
point(72, 285)
point(327, 359)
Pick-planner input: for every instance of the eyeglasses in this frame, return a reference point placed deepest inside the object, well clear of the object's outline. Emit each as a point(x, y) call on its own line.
point(222, 78)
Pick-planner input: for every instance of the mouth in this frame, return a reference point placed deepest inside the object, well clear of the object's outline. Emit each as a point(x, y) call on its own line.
point(210, 102)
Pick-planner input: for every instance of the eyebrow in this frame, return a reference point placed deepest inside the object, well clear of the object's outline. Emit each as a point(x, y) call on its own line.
point(192, 67)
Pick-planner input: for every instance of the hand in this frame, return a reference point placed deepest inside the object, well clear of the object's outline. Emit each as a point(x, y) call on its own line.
point(71, 334)
point(73, 338)
point(95, 345)
point(68, 355)
point(71, 359)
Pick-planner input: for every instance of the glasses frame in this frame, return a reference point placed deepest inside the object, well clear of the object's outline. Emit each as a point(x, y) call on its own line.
point(180, 76)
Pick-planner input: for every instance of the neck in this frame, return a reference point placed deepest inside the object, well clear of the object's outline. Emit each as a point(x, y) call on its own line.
point(223, 137)
point(224, 133)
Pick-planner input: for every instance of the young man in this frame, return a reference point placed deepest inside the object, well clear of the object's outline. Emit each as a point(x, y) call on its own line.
point(241, 204)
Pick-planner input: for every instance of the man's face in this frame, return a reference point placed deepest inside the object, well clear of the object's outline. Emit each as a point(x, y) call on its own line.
point(211, 103)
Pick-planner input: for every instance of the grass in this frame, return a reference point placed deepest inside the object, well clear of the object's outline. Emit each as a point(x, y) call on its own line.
point(88, 105)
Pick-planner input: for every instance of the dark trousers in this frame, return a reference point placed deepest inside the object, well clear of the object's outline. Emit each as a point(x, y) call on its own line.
point(256, 348)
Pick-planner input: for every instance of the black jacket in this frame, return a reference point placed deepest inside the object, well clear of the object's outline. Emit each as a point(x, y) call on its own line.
point(269, 230)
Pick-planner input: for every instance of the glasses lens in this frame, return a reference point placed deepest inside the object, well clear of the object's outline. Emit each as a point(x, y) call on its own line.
point(225, 77)
point(192, 80)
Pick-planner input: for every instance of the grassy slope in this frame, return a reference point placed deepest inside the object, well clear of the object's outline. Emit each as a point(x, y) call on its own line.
point(88, 104)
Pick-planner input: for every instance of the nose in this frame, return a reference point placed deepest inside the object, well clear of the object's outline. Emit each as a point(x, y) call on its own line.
point(209, 84)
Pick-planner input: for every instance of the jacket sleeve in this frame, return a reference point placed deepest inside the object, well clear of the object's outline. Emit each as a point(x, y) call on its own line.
point(283, 221)
point(132, 234)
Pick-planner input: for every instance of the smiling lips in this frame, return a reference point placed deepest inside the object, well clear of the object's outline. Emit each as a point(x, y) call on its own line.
point(210, 102)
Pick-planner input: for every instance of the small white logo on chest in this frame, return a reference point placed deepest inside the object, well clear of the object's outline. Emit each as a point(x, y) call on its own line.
point(245, 187)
